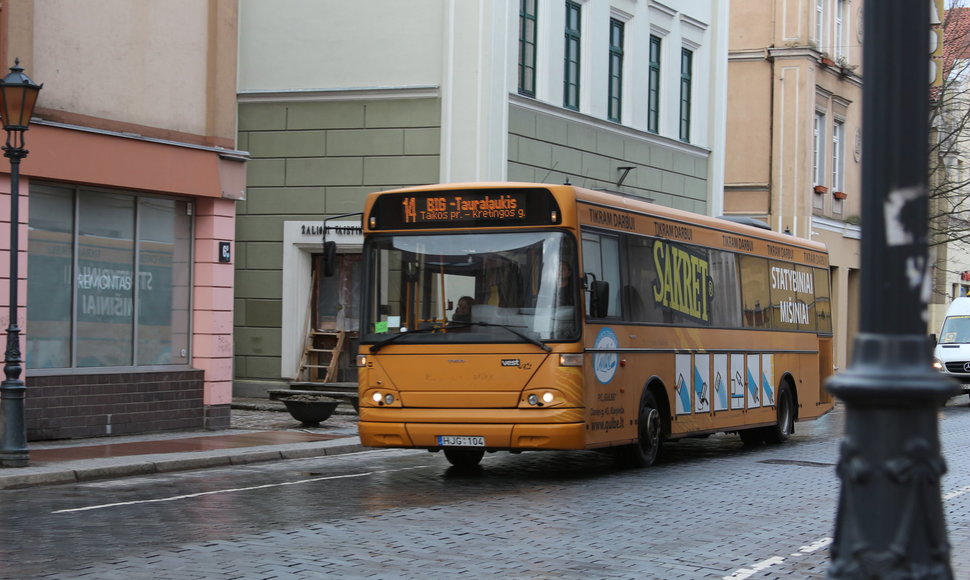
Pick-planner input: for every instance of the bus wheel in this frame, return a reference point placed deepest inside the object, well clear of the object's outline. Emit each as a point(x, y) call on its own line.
point(464, 458)
point(786, 418)
point(646, 450)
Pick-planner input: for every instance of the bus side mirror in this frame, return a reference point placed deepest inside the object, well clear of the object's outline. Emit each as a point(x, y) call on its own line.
point(329, 258)
point(599, 298)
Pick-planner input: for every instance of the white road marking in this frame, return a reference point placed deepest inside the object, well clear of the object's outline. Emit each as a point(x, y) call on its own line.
point(957, 492)
point(747, 572)
point(232, 490)
point(742, 573)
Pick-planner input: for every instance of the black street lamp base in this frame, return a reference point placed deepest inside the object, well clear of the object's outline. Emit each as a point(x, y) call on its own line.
point(890, 521)
point(13, 445)
point(15, 459)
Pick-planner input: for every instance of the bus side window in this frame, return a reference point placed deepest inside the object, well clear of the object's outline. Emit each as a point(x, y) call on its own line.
point(633, 304)
point(601, 258)
point(638, 303)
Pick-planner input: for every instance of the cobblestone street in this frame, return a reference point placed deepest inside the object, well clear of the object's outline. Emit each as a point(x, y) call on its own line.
point(712, 509)
point(263, 414)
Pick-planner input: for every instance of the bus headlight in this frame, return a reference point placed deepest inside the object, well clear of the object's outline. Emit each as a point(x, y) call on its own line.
point(381, 398)
point(362, 360)
point(937, 364)
point(542, 398)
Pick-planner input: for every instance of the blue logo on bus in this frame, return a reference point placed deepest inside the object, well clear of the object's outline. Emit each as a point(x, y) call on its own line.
point(605, 363)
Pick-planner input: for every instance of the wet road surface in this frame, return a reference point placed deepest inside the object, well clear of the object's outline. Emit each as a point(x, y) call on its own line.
point(712, 509)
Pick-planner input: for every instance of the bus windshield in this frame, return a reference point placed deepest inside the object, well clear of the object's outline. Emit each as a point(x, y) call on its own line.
point(471, 287)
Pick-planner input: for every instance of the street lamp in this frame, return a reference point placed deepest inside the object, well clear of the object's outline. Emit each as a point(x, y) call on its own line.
point(890, 520)
point(18, 95)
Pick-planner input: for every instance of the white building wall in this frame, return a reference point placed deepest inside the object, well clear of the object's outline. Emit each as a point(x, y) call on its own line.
point(700, 26)
point(467, 51)
point(686, 24)
point(474, 89)
point(301, 45)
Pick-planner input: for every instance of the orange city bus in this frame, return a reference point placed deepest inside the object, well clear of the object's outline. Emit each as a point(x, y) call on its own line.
point(518, 316)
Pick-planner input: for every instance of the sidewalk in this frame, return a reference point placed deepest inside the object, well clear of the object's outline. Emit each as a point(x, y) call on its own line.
point(261, 430)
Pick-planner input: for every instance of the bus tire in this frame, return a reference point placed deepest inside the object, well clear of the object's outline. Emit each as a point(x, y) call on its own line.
point(646, 450)
point(785, 412)
point(464, 458)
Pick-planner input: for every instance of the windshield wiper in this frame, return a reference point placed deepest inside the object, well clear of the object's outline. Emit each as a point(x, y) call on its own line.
point(511, 329)
point(379, 345)
point(452, 324)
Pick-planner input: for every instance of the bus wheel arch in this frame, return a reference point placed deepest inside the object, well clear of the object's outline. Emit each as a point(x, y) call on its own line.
point(653, 426)
point(656, 387)
point(788, 380)
point(786, 411)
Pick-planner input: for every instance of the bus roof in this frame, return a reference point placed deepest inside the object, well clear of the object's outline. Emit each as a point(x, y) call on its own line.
point(619, 200)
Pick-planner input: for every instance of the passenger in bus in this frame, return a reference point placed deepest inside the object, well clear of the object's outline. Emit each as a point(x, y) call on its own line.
point(463, 311)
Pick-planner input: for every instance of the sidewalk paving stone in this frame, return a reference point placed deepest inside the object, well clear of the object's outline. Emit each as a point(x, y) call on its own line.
point(260, 430)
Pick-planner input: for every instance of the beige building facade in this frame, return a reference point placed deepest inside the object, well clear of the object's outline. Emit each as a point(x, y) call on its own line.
point(794, 132)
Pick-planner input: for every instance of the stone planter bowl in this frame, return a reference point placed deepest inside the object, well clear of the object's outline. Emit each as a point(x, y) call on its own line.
point(310, 413)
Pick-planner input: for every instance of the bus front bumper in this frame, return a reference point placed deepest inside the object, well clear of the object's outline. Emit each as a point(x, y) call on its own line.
point(520, 430)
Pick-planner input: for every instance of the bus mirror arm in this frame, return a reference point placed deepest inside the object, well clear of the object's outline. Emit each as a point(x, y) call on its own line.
point(585, 279)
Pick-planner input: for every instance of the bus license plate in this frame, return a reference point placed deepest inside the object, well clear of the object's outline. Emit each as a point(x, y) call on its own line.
point(460, 441)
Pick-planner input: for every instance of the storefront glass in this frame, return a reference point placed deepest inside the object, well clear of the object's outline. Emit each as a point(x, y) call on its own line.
point(124, 262)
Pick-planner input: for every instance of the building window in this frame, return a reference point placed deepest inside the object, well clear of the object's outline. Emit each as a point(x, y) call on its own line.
point(818, 153)
point(686, 66)
point(527, 47)
point(838, 162)
point(961, 290)
point(571, 73)
point(838, 46)
point(820, 23)
point(653, 91)
point(109, 280)
point(616, 71)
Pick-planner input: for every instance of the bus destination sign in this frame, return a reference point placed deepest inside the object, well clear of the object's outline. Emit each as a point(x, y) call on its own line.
point(466, 208)
point(462, 207)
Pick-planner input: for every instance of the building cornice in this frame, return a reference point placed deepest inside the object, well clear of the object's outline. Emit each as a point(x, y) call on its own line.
point(351, 94)
point(851, 231)
point(233, 154)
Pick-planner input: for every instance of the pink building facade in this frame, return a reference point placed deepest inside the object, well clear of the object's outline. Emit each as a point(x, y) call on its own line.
point(127, 219)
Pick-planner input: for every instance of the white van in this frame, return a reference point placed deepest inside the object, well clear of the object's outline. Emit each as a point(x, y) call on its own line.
point(952, 353)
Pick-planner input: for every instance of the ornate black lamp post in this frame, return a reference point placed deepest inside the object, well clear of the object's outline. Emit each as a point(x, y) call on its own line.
point(18, 95)
point(890, 521)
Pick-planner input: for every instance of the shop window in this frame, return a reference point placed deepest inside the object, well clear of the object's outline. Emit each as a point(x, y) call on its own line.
point(124, 262)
